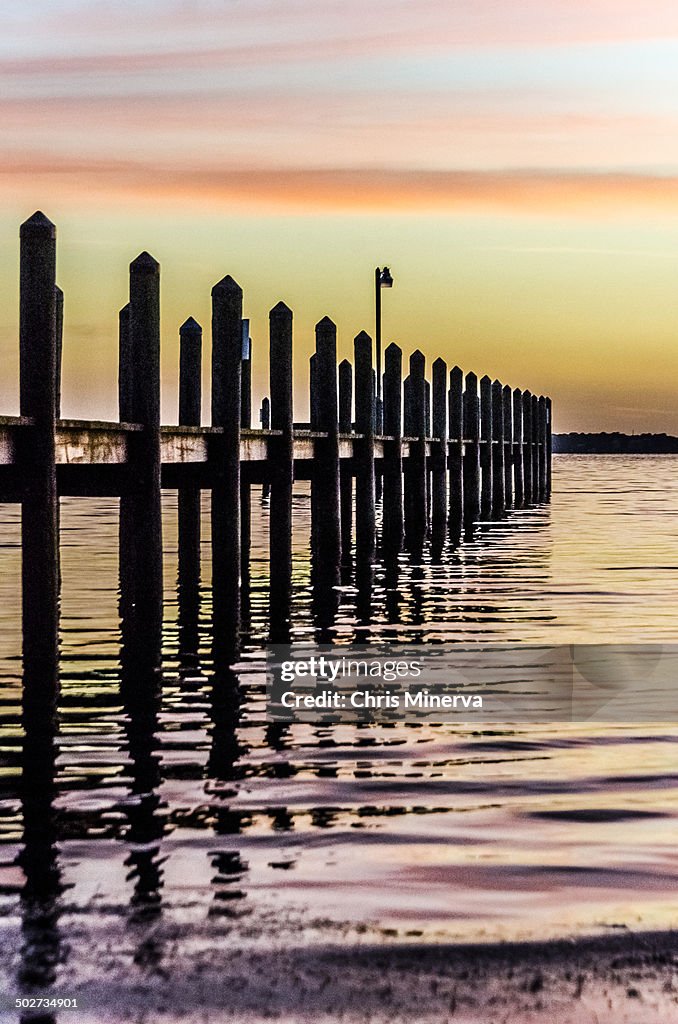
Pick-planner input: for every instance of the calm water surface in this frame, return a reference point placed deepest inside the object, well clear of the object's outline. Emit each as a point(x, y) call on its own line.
point(222, 827)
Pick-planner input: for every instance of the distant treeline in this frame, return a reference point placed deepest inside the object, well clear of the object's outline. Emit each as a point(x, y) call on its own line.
point(616, 443)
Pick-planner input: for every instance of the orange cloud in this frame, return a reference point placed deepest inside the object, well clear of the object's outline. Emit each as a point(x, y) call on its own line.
point(337, 189)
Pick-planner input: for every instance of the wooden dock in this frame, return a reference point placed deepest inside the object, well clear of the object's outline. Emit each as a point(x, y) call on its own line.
point(455, 452)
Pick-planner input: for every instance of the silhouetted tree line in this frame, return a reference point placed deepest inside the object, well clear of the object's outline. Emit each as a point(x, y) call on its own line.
point(615, 443)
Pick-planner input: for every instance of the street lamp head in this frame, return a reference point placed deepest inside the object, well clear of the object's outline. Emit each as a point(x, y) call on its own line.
point(385, 279)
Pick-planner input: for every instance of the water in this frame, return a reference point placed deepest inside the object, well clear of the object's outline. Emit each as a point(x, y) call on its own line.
point(220, 828)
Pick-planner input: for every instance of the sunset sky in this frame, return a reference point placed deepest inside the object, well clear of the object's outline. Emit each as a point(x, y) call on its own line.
point(515, 164)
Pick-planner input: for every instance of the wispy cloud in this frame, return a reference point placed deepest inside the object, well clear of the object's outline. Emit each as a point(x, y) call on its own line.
point(343, 189)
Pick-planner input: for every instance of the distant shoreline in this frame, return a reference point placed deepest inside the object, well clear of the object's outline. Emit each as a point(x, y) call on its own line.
point(615, 444)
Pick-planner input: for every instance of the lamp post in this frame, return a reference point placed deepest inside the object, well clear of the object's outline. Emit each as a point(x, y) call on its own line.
point(382, 279)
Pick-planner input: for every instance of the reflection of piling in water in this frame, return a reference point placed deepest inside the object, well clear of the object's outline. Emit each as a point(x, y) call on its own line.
point(41, 949)
point(282, 463)
point(188, 499)
point(471, 453)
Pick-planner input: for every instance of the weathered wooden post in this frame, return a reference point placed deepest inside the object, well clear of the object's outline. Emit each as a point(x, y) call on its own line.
point(508, 446)
point(190, 369)
point(415, 498)
point(364, 424)
point(188, 498)
point(314, 417)
point(327, 448)
point(498, 496)
point(455, 454)
point(536, 495)
point(527, 447)
point(542, 447)
point(246, 378)
point(439, 456)
point(393, 450)
point(345, 397)
point(144, 462)
point(59, 312)
point(281, 463)
point(471, 453)
point(549, 445)
point(486, 492)
point(39, 508)
point(245, 489)
point(517, 457)
point(125, 368)
point(226, 388)
point(408, 429)
point(345, 468)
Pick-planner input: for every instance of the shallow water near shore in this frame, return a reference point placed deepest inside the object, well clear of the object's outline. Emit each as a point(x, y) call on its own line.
point(221, 828)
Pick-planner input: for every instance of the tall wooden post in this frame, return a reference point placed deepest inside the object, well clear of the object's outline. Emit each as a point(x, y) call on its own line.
point(542, 447)
point(140, 507)
point(393, 455)
point(345, 397)
point(455, 453)
point(314, 416)
point(245, 488)
point(226, 389)
point(190, 369)
point(246, 378)
point(536, 495)
point(508, 446)
point(125, 368)
point(39, 509)
point(59, 313)
point(549, 445)
point(327, 448)
point(345, 468)
point(416, 496)
point(281, 463)
point(498, 496)
point(188, 498)
point(471, 453)
point(519, 496)
point(364, 424)
point(439, 456)
point(485, 447)
point(527, 447)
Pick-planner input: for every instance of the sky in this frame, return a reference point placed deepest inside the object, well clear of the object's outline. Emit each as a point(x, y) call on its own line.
point(516, 165)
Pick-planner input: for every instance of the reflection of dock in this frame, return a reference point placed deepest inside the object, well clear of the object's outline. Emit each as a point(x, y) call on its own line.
point(449, 457)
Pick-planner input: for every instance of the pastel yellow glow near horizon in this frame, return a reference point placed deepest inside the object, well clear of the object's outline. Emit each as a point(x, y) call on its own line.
point(515, 166)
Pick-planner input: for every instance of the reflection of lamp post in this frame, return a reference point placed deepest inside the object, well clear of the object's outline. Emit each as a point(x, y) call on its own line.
point(382, 279)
